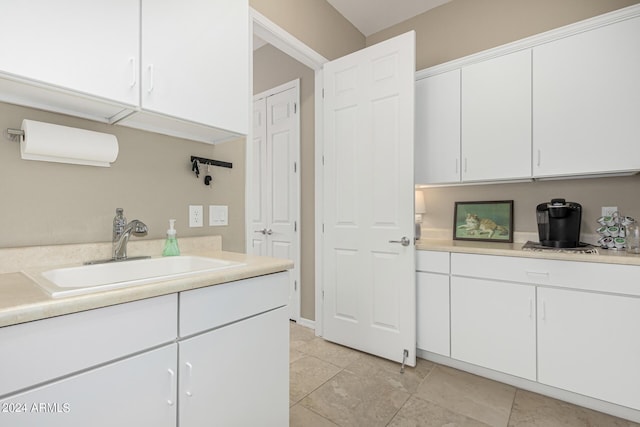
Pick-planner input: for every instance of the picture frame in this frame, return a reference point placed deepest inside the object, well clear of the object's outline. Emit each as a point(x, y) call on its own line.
point(485, 221)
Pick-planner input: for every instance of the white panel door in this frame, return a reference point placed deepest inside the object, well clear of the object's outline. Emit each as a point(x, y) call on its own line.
point(368, 280)
point(496, 118)
point(437, 156)
point(276, 210)
point(260, 180)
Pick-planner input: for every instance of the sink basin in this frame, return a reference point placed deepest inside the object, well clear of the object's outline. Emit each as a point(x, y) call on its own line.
point(67, 281)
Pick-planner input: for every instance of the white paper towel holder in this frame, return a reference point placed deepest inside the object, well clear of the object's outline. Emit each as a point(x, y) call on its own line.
point(18, 135)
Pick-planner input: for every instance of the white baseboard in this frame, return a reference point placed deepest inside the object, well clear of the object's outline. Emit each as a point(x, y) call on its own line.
point(307, 323)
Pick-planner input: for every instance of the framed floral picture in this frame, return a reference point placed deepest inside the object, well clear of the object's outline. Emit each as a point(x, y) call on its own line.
point(488, 221)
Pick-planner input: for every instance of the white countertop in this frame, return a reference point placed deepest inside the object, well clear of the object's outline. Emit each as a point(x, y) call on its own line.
point(515, 249)
point(22, 300)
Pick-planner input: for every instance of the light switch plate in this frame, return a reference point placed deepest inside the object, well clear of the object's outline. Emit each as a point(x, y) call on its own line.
point(195, 216)
point(218, 215)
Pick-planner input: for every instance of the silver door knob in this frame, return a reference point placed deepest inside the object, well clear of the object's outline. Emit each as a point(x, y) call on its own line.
point(404, 241)
point(263, 231)
point(269, 232)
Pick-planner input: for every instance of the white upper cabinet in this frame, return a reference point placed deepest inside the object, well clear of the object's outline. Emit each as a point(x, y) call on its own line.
point(181, 67)
point(51, 49)
point(195, 68)
point(437, 146)
point(586, 106)
point(496, 118)
point(474, 123)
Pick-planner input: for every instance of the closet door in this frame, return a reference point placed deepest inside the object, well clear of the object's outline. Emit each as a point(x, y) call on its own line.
point(276, 196)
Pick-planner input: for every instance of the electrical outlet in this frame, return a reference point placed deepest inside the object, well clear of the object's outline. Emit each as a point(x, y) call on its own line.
point(609, 210)
point(195, 216)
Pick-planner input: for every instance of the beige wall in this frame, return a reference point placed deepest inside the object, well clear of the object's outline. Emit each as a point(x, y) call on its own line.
point(463, 27)
point(50, 203)
point(592, 194)
point(314, 22)
point(272, 68)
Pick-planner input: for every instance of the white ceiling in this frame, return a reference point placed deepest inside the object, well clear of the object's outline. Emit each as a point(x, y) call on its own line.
point(371, 16)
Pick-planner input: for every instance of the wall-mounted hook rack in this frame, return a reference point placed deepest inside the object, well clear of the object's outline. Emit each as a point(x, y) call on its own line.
point(219, 163)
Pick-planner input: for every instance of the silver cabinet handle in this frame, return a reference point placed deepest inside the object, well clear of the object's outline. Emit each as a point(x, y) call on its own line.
point(269, 232)
point(404, 241)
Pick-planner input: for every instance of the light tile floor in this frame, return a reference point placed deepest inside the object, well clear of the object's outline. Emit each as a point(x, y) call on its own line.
point(331, 386)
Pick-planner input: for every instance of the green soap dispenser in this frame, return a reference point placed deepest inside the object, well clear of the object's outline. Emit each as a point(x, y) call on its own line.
point(171, 245)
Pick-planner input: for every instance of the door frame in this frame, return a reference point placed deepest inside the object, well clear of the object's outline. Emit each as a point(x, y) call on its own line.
point(294, 312)
point(275, 35)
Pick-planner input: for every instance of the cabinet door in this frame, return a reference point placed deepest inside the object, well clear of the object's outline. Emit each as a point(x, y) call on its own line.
point(437, 139)
point(87, 47)
point(237, 375)
point(588, 343)
point(195, 61)
point(138, 391)
point(493, 325)
point(432, 295)
point(585, 102)
point(496, 118)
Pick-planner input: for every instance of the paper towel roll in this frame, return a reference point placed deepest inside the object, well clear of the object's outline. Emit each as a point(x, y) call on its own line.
point(54, 143)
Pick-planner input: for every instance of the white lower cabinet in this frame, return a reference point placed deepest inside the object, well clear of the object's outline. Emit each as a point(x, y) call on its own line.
point(138, 391)
point(131, 365)
point(432, 296)
point(570, 325)
point(432, 301)
point(589, 343)
point(237, 375)
point(493, 325)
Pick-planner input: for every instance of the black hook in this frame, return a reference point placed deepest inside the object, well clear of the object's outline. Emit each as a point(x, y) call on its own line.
point(208, 179)
point(195, 168)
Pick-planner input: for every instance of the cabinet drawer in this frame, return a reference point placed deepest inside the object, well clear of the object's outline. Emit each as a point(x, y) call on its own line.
point(432, 261)
point(570, 274)
point(214, 306)
point(34, 352)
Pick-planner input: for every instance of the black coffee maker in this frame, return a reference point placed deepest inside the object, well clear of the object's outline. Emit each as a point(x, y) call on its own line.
point(559, 223)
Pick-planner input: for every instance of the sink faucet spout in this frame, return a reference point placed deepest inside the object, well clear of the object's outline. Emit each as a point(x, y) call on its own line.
point(135, 227)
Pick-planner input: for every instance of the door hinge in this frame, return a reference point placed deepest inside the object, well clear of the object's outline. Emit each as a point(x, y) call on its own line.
point(295, 108)
point(323, 160)
point(295, 226)
point(323, 227)
point(323, 294)
point(295, 167)
point(323, 92)
point(295, 285)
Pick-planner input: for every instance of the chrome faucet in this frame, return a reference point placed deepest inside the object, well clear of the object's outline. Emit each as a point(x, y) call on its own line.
point(121, 238)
